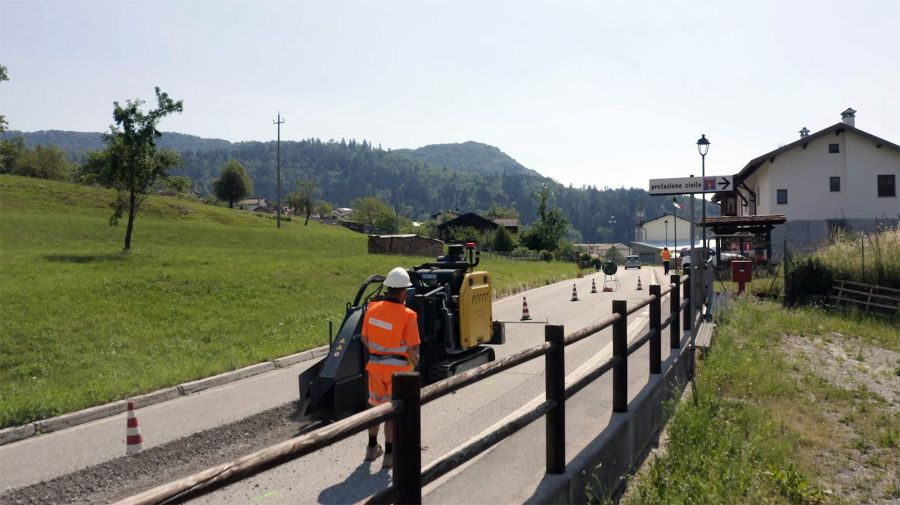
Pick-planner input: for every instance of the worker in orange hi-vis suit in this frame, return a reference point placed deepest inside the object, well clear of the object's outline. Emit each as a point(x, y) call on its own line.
point(391, 333)
point(666, 257)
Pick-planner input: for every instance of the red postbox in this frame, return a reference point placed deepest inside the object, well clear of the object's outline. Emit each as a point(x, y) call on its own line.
point(741, 272)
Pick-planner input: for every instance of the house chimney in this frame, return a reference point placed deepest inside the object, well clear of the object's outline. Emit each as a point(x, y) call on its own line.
point(804, 132)
point(849, 117)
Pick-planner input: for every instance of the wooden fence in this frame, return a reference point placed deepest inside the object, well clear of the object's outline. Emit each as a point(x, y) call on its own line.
point(409, 476)
point(865, 296)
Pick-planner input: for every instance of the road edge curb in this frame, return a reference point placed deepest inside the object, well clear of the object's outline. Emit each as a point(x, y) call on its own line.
point(68, 420)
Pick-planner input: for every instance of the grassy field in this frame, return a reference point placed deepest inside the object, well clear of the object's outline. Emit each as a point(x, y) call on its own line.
point(204, 290)
point(791, 406)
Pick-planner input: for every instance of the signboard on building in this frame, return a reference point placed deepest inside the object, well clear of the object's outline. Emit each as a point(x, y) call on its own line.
point(687, 185)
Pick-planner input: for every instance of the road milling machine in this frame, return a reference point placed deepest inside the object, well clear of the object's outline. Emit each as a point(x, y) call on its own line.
point(453, 304)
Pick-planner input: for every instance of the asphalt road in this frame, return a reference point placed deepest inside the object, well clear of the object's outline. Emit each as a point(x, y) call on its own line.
point(336, 475)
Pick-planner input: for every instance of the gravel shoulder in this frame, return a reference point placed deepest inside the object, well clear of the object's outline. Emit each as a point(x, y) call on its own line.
point(125, 476)
point(857, 448)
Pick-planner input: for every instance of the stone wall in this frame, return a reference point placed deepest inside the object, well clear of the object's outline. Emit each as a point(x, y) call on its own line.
point(410, 245)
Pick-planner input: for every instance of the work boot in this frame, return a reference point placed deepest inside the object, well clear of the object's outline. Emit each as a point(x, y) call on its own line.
point(388, 461)
point(372, 452)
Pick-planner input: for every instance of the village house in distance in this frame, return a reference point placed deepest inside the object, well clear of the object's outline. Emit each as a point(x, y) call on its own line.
point(840, 177)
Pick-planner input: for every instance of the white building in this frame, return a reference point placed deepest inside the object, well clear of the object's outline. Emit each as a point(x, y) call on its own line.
point(661, 231)
point(839, 177)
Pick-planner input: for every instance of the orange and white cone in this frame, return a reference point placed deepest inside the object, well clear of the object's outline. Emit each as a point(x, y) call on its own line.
point(639, 288)
point(593, 286)
point(574, 294)
point(134, 441)
point(525, 315)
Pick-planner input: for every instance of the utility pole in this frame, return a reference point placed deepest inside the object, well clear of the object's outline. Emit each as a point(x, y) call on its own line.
point(279, 122)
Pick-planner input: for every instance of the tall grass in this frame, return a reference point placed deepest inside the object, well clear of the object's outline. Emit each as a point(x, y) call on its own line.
point(758, 422)
point(204, 290)
point(866, 257)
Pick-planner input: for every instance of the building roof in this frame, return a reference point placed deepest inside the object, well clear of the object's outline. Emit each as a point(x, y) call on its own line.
point(836, 128)
point(469, 219)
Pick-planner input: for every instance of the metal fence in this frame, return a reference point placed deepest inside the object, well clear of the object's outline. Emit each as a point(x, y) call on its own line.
point(408, 397)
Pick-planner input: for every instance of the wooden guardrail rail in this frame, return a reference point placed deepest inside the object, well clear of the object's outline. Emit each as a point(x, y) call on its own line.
point(865, 296)
point(408, 397)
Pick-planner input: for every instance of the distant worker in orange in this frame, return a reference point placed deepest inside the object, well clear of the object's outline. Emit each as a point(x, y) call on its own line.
point(391, 333)
point(666, 257)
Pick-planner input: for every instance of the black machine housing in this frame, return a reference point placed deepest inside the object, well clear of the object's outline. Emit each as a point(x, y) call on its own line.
point(336, 387)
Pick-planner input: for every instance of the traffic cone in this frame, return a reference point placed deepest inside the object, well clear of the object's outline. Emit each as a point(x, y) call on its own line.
point(525, 315)
point(639, 288)
point(593, 286)
point(574, 294)
point(134, 442)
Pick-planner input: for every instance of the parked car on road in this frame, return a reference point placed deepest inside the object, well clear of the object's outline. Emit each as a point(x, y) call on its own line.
point(632, 262)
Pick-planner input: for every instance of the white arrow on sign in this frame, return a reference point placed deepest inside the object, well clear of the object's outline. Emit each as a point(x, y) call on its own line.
point(688, 185)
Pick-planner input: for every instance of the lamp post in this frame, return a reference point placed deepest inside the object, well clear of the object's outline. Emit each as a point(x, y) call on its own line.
point(666, 222)
point(703, 148)
point(675, 225)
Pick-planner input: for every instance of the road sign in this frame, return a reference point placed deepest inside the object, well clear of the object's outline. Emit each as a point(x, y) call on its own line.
point(686, 185)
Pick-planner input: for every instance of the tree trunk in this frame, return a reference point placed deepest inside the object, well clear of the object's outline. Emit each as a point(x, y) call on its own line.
point(231, 203)
point(131, 215)
point(307, 217)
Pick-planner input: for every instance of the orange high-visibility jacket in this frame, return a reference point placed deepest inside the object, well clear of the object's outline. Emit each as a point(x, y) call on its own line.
point(665, 255)
point(390, 328)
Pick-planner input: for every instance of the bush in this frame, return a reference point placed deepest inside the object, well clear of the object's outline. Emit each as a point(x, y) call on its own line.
point(806, 281)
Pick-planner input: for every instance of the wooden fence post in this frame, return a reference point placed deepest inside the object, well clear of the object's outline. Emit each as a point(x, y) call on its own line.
point(408, 438)
point(655, 330)
point(675, 326)
point(555, 380)
point(620, 352)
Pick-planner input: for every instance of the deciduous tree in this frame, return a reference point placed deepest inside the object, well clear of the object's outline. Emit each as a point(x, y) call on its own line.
point(548, 230)
point(324, 209)
point(304, 199)
point(131, 164)
point(233, 183)
point(43, 162)
point(373, 212)
point(3, 77)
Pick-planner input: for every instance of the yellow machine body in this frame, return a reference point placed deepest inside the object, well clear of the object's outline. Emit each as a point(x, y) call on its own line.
point(475, 316)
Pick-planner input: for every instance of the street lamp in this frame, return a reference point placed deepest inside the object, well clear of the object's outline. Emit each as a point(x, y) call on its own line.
point(666, 222)
point(703, 148)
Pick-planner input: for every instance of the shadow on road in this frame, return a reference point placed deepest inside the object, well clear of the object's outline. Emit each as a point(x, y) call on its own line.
point(358, 485)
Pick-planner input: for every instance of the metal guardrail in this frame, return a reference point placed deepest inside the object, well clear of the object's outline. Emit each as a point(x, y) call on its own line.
point(408, 398)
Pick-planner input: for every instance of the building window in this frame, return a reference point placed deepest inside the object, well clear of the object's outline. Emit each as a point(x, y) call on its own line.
point(887, 185)
point(834, 184)
point(834, 148)
point(782, 197)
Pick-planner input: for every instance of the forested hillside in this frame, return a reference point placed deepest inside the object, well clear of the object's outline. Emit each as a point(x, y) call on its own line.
point(468, 157)
point(417, 183)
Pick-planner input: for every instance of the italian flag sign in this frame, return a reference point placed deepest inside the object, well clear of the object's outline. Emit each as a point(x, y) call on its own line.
point(677, 205)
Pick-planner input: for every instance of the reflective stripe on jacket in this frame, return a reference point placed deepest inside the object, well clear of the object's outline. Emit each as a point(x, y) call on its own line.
point(390, 328)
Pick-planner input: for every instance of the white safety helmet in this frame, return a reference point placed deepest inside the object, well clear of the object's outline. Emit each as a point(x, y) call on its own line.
point(397, 278)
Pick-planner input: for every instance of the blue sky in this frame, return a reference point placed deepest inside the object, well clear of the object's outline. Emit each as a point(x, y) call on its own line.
point(588, 93)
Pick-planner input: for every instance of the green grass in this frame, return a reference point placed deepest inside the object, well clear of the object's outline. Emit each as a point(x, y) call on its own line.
point(204, 290)
point(759, 422)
